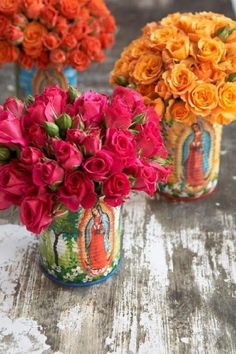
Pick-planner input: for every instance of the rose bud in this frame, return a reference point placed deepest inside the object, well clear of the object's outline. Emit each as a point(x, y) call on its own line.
point(51, 129)
point(5, 154)
point(121, 80)
point(64, 121)
point(28, 100)
point(73, 93)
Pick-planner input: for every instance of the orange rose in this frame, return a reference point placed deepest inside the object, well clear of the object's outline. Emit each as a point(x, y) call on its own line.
point(202, 99)
point(69, 8)
point(92, 47)
point(34, 34)
point(179, 47)
point(69, 42)
point(121, 69)
point(221, 117)
point(25, 61)
point(80, 29)
point(8, 52)
point(147, 90)
point(157, 104)
point(3, 25)
point(211, 50)
point(161, 36)
point(43, 60)
point(33, 8)
point(203, 70)
point(162, 90)
point(61, 26)
point(79, 60)
point(48, 16)
point(179, 111)
point(227, 96)
point(179, 80)
point(148, 68)
point(9, 7)
point(51, 41)
point(57, 56)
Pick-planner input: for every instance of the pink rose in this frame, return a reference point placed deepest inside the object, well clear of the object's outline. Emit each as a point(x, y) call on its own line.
point(101, 165)
point(125, 105)
point(15, 182)
point(149, 140)
point(70, 109)
point(47, 173)
point(36, 212)
point(77, 190)
point(10, 130)
point(116, 189)
point(91, 106)
point(163, 171)
point(68, 156)
point(37, 114)
point(4, 202)
point(121, 143)
point(55, 99)
point(29, 156)
point(75, 136)
point(37, 135)
point(14, 106)
point(92, 143)
point(146, 177)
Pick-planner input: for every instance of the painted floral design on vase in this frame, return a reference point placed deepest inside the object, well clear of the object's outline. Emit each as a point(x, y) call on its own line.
point(82, 248)
point(33, 81)
point(195, 151)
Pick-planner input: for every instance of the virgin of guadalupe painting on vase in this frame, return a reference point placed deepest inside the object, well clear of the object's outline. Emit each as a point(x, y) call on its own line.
point(96, 241)
point(196, 156)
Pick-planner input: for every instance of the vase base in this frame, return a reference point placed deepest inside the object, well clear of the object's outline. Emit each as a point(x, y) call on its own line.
point(173, 198)
point(80, 284)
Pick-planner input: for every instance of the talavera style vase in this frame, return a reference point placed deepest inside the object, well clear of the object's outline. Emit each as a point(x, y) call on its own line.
point(195, 151)
point(82, 248)
point(33, 81)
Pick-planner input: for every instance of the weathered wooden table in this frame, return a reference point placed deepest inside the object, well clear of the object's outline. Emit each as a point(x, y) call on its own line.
point(176, 290)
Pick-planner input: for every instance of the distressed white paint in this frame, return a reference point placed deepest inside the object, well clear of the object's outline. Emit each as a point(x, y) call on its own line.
point(19, 335)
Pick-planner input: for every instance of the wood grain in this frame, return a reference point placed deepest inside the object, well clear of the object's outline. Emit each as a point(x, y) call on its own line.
point(176, 289)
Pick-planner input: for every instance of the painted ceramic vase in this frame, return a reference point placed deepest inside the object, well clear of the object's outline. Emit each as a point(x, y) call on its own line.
point(33, 81)
point(82, 248)
point(195, 151)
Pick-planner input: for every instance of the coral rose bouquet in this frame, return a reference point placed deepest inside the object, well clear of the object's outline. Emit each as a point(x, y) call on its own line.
point(53, 34)
point(185, 68)
point(60, 152)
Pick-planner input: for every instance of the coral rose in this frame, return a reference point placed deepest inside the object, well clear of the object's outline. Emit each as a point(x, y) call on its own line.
point(51, 41)
point(69, 8)
point(32, 8)
point(9, 7)
point(180, 79)
point(8, 52)
point(203, 99)
point(210, 50)
point(34, 34)
point(3, 25)
point(58, 56)
point(147, 68)
point(79, 60)
point(48, 16)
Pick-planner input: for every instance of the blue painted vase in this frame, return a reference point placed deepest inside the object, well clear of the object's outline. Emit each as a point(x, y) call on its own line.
point(82, 248)
point(33, 81)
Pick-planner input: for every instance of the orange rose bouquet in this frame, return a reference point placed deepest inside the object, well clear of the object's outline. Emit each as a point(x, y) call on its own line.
point(185, 67)
point(51, 35)
point(54, 33)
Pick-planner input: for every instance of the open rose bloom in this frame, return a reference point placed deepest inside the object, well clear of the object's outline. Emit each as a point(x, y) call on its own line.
point(60, 151)
point(185, 67)
point(54, 33)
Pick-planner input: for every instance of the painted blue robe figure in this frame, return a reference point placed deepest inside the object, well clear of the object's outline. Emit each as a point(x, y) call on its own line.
point(196, 152)
point(97, 241)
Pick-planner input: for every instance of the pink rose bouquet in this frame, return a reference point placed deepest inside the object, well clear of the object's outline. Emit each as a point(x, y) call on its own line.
point(61, 151)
